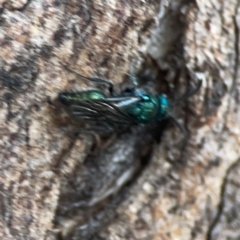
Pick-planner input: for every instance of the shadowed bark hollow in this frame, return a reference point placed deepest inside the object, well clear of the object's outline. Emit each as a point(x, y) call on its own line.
point(146, 183)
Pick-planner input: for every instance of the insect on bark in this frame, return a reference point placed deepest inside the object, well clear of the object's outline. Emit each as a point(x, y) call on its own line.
point(107, 113)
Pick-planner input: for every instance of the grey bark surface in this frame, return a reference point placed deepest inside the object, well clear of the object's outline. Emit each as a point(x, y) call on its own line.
point(56, 185)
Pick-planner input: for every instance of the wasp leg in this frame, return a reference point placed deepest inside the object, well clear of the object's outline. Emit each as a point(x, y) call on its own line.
point(195, 90)
point(102, 145)
point(94, 132)
point(190, 93)
point(109, 141)
point(97, 80)
point(97, 129)
point(181, 143)
point(181, 128)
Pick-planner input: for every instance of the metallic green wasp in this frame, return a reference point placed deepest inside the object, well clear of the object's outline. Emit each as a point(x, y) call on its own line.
point(133, 106)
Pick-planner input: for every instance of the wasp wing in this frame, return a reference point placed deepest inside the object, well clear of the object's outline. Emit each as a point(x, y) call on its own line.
point(108, 113)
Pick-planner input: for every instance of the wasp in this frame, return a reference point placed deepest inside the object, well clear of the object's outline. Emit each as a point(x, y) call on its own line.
point(116, 111)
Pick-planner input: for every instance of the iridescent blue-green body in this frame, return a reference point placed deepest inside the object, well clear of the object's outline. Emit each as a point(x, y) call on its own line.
point(68, 98)
point(123, 109)
point(117, 111)
point(149, 108)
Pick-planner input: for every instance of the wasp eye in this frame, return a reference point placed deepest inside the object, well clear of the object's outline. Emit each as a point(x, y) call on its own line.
point(164, 106)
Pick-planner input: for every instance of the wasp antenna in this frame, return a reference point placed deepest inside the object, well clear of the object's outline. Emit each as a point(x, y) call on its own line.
point(75, 72)
point(98, 80)
point(133, 79)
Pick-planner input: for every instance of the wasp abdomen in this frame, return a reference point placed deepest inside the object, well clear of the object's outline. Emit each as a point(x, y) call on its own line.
point(68, 98)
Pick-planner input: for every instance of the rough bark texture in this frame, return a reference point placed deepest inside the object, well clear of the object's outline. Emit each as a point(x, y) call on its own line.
point(52, 184)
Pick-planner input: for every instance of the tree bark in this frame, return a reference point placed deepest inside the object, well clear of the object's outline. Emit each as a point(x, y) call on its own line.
point(56, 185)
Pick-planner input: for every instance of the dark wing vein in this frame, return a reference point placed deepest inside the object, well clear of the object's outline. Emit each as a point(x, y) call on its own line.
point(101, 112)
